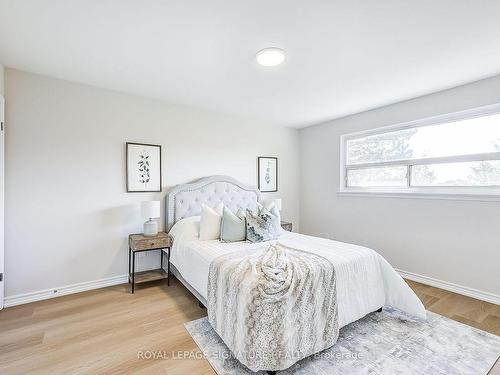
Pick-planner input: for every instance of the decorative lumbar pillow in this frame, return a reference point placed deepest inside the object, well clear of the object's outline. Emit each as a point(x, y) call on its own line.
point(233, 226)
point(261, 226)
point(210, 222)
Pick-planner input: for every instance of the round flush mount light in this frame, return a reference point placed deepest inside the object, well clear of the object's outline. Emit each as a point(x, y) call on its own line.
point(270, 56)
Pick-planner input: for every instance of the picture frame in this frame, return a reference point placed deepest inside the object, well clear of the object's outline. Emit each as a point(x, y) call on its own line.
point(267, 174)
point(143, 167)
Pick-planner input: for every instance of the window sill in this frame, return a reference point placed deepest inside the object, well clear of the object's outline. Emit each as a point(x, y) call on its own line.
point(419, 194)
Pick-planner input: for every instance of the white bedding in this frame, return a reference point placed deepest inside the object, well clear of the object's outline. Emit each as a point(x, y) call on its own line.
point(365, 280)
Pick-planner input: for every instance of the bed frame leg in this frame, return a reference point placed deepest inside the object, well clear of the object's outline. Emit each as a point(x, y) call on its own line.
point(271, 372)
point(379, 310)
point(201, 305)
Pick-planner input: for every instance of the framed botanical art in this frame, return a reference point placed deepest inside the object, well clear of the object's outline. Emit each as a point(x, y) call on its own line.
point(267, 171)
point(143, 164)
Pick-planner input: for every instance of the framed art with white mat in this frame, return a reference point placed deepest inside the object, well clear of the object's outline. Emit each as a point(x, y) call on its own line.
point(267, 171)
point(143, 167)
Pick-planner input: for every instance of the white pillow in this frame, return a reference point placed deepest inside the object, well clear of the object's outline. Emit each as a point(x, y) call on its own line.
point(271, 207)
point(210, 222)
point(187, 228)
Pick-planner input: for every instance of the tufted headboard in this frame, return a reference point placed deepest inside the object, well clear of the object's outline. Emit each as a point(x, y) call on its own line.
point(185, 200)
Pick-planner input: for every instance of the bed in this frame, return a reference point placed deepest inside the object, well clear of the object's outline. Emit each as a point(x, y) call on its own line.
point(365, 281)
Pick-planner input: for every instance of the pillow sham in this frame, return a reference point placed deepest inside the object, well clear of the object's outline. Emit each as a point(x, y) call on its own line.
point(210, 222)
point(233, 226)
point(271, 206)
point(187, 228)
point(262, 226)
point(275, 218)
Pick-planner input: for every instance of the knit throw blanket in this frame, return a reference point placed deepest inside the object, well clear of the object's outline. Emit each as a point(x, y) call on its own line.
point(273, 306)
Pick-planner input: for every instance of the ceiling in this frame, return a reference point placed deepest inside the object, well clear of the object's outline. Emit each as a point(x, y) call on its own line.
point(343, 57)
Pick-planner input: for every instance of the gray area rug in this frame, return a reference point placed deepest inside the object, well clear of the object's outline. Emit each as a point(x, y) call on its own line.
point(381, 343)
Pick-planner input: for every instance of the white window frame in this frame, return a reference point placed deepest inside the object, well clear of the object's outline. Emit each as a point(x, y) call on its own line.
point(486, 193)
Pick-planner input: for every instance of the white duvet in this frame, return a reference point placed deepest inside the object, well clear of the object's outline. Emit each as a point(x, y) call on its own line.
point(365, 280)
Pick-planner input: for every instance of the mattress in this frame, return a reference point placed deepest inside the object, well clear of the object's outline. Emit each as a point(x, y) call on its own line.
point(365, 280)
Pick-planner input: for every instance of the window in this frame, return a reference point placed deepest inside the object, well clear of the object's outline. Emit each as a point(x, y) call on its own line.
point(455, 155)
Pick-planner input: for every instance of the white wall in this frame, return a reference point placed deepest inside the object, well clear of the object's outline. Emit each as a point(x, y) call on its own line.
point(2, 191)
point(67, 212)
point(68, 215)
point(453, 241)
point(1, 80)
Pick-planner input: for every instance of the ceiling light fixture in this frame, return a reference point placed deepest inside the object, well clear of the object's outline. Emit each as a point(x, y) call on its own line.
point(270, 56)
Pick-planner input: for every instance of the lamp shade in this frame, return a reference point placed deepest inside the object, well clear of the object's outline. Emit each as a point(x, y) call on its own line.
point(277, 203)
point(150, 209)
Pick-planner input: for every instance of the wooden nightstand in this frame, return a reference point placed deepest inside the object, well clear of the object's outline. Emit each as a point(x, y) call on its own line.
point(138, 243)
point(286, 225)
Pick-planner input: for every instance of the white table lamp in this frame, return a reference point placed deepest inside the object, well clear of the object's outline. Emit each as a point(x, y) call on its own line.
point(150, 210)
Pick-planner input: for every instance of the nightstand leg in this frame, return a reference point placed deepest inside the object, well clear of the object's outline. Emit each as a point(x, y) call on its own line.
point(168, 267)
point(129, 251)
point(133, 271)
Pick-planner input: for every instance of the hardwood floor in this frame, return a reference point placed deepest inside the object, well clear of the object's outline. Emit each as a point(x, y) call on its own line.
point(470, 311)
point(106, 330)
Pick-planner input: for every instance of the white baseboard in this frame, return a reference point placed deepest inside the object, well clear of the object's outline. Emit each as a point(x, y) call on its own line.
point(464, 290)
point(20, 299)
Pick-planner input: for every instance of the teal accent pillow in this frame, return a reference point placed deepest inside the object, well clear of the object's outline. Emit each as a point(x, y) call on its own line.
point(233, 227)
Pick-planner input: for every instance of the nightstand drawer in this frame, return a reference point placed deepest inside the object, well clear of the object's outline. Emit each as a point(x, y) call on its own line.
point(141, 242)
point(152, 243)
